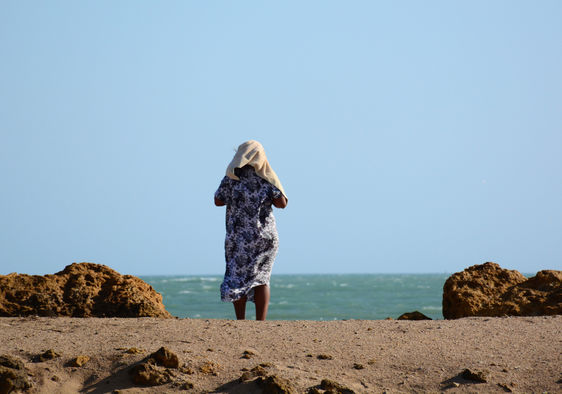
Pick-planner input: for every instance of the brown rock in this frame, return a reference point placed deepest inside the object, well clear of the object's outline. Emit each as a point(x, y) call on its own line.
point(186, 370)
point(489, 290)
point(324, 357)
point(246, 376)
point(79, 361)
point(13, 376)
point(80, 290)
point(258, 370)
point(165, 358)
point(275, 385)
point(335, 387)
point(537, 296)
point(147, 374)
point(478, 376)
point(248, 354)
point(209, 367)
point(11, 362)
point(153, 370)
point(415, 315)
point(47, 355)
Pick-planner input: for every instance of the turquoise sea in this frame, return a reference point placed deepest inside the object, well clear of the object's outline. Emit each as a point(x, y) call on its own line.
point(310, 297)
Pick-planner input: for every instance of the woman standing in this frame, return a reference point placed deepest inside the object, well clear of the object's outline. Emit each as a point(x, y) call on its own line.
point(249, 190)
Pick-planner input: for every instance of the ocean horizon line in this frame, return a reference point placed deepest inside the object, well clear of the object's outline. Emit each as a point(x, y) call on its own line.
point(310, 274)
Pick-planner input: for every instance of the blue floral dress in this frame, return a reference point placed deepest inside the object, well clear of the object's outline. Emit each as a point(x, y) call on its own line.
point(251, 240)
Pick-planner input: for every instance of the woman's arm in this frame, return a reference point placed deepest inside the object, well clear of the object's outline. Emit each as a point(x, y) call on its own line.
point(219, 203)
point(280, 202)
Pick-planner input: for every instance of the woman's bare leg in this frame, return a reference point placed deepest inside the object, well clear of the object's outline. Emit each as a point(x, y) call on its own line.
point(261, 298)
point(240, 308)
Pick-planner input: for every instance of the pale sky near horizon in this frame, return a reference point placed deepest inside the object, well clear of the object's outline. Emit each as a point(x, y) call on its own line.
point(409, 136)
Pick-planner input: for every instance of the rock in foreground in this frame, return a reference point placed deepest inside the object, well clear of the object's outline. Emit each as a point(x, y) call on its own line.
point(489, 290)
point(13, 376)
point(80, 290)
point(154, 370)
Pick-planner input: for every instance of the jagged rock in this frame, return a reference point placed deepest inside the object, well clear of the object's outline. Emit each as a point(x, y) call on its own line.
point(209, 367)
point(186, 369)
point(165, 358)
point(47, 355)
point(415, 315)
point(489, 290)
point(324, 357)
point(248, 354)
point(11, 362)
point(80, 290)
point(154, 369)
point(479, 376)
point(275, 385)
point(79, 361)
point(13, 376)
point(258, 370)
point(335, 387)
point(148, 374)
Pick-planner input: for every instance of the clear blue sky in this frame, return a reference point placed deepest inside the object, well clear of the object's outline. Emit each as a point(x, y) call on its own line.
point(410, 136)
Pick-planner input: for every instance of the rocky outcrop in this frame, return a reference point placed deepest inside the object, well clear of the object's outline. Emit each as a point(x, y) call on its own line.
point(80, 290)
point(489, 290)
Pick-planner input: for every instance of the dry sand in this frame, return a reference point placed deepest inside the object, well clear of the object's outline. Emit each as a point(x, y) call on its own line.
point(521, 353)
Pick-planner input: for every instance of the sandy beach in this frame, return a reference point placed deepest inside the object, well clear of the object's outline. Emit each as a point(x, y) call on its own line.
point(521, 354)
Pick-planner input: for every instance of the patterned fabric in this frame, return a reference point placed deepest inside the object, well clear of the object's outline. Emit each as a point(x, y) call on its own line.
point(251, 235)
